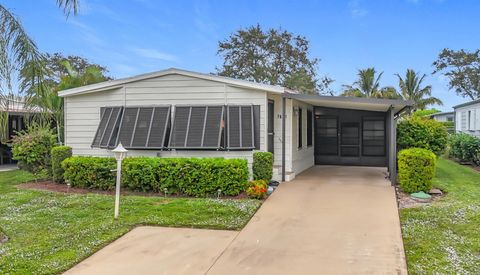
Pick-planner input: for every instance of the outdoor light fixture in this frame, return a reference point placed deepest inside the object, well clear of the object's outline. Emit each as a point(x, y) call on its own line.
point(120, 153)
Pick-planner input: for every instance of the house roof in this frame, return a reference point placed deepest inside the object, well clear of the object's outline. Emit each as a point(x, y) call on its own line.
point(467, 103)
point(112, 84)
point(17, 106)
point(442, 114)
point(358, 103)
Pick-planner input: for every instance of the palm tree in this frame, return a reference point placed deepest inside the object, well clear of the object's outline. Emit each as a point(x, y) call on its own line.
point(368, 85)
point(411, 89)
point(17, 51)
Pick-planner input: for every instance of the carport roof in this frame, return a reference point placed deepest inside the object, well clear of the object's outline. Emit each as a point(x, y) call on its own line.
point(356, 103)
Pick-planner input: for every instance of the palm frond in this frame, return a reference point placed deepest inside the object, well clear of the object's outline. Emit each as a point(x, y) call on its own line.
point(69, 6)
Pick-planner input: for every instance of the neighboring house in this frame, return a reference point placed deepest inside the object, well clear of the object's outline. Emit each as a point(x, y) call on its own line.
point(467, 117)
point(17, 113)
point(178, 113)
point(444, 116)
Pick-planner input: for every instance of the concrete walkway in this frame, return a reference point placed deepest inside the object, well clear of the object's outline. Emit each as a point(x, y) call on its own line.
point(329, 220)
point(8, 167)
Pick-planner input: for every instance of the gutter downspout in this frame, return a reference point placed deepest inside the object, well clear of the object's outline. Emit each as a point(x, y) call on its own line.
point(284, 112)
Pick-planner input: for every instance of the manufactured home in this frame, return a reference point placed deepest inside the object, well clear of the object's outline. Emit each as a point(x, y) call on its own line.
point(467, 118)
point(179, 113)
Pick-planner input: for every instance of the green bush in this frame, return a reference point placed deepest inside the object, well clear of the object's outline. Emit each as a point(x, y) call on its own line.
point(262, 166)
point(59, 154)
point(90, 172)
point(197, 177)
point(416, 169)
point(417, 132)
point(465, 147)
point(32, 150)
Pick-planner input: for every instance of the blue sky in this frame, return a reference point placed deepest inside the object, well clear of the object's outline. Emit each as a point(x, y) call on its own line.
point(138, 36)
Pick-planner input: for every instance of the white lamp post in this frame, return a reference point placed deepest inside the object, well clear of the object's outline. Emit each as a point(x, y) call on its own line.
point(120, 154)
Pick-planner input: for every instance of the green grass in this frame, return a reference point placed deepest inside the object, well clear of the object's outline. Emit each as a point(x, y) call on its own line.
point(444, 237)
point(50, 232)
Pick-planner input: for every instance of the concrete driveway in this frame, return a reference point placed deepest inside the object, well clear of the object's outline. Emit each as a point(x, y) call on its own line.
point(329, 220)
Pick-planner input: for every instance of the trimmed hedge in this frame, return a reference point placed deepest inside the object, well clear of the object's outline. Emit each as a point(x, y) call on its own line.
point(262, 166)
point(465, 148)
point(416, 169)
point(90, 172)
point(197, 177)
point(417, 132)
point(59, 154)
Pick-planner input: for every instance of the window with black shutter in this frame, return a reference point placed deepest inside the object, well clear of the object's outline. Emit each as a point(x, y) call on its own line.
point(108, 127)
point(309, 128)
point(144, 127)
point(373, 136)
point(241, 127)
point(300, 128)
point(197, 127)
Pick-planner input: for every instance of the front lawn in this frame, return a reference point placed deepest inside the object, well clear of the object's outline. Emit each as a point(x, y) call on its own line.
point(50, 232)
point(444, 237)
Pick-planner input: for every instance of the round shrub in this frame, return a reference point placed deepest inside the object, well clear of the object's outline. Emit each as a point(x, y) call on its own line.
point(416, 169)
point(262, 166)
point(417, 132)
point(59, 154)
point(32, 150)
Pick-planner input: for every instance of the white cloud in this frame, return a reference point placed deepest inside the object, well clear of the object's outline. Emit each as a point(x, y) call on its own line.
point(154, 54)
point(356, 10)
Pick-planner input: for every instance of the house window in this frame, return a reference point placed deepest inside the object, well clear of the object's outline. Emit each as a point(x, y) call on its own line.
point(105, 137)
point(300, 128)
point(241, 127)
point(134, 127)
point(373, 136)
point(197, 127)
point(309, 128)
point(463, 120)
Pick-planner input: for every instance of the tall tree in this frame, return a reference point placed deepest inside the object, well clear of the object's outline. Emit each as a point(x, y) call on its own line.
point(368, 85)
point(17, 50)
point(45, 96)
point(462, 69)
point(273, 56)
point(411, 89)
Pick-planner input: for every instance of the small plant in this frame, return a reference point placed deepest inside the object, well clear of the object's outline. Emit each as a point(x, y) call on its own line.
point(257, 189)
point(32, 150)
point(416, 169)
point(59, 154)
point(262, 166)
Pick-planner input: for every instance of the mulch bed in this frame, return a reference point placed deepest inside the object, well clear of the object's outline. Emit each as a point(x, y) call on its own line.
point(63, 188)
point(405, 201)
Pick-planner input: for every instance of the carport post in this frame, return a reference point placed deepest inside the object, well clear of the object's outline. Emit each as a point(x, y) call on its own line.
point(284, 113)
point(392, 146)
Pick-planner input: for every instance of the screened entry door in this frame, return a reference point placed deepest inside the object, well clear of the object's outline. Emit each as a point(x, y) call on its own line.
point(350, 139)
point(271, 121)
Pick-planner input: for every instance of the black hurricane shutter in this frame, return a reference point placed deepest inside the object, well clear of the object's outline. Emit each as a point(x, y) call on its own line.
point(108, 127)
point(300, 128)
point(241, 127)
point(197, 127)
point(309, 128)
point(144, 127)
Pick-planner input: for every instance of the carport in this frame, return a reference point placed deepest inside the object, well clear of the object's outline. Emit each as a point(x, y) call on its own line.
point(354, 131)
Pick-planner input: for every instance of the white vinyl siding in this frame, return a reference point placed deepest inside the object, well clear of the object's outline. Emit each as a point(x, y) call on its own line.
point(467, 119)
point(82, 112)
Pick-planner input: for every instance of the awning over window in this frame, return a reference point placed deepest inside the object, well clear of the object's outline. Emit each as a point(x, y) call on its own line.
point(197, 127)
point(193, 127)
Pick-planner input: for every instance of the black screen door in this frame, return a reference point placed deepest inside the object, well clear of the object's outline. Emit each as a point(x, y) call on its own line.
point(327, 135)
point(350, 139)
point(270, 130)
